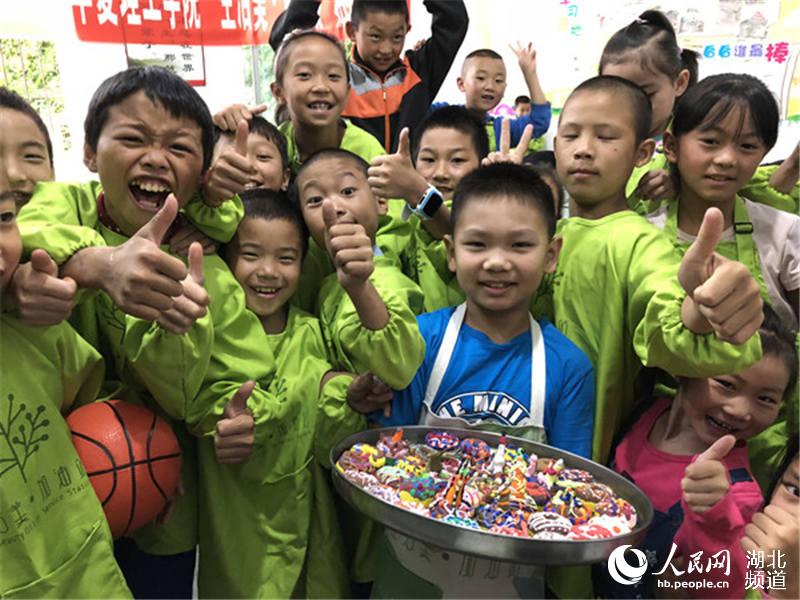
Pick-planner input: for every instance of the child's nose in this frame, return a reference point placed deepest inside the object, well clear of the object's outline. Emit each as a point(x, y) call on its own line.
point(156, 158)
point(496, 261)
point(726, 157)
point(738, 408)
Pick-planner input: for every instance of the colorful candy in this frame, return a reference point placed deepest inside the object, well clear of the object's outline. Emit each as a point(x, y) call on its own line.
point(504, 490)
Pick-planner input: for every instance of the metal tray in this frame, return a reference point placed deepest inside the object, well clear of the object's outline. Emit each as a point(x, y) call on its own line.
point(491, 545)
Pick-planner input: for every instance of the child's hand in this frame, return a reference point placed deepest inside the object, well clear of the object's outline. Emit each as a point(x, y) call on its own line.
point(233, 441)
point(228, 118)
point(349, 247)
point(40, 296)
point(706, 480)
point(505, 154)
point(656, 185)
point(191, 304)
point(776, 530)
point(231, 172)
point(723, 296)
point(185, 234)
point(394, 176)
point(366, 394)
point(142, 279)
point(526, 56)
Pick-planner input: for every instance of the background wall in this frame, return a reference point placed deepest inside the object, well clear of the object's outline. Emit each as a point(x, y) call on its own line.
point(42, 58)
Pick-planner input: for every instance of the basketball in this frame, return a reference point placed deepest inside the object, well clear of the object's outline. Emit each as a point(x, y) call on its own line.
point(132, 458)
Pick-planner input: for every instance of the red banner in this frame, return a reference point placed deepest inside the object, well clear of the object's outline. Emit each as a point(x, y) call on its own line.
point(176, 22)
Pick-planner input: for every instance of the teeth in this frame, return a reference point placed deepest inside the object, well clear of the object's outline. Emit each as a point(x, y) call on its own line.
point(316, 105)
point(266, 290)
point(722, 425)
point(497, 285)
point(151, 186)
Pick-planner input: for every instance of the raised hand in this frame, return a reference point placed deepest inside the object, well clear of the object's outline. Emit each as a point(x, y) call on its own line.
point(229, 118)
point(394, 175)
point(231, 172)
point(723, 292)
point(505, 154)
point(193, 302)
point(526, 56)
point(142, 279)
point(349, 247)
point(235, 435)
point(40, 296)
point(706, 480)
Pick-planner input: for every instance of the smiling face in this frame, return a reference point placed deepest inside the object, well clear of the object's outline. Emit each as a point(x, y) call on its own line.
point(342, 182)
point(445, 155)
point(264, 156)
point(379, 39)
point(596, 150)
point(743, 404)
point(266, 258)
point(716, 162)
point(662, 90)
point(314, 86)
point(483, 81)
point(499, 251)
point(24, 160)
point(10, 242)
point(787, 492)
point(143, 154)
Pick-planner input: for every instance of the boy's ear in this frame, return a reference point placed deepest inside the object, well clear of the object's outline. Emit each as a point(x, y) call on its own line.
point(350, 31)
point(285, 180)
point(277, 92)
point(451, 252)
point(645, 152)
point(383, 206)
point(460, 84)
point(89, 158)
point(553, 251)
point(670, 147)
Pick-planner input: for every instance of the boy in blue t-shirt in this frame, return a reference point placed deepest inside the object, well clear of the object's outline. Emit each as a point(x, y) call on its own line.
point(488, 364)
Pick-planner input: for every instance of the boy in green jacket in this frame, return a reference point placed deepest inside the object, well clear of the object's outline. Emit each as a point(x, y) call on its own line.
point(44, 490)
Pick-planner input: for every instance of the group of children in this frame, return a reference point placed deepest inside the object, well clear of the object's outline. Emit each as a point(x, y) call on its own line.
point(272, 289)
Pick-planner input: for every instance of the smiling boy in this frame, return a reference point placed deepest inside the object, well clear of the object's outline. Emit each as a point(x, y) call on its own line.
point(389, 91)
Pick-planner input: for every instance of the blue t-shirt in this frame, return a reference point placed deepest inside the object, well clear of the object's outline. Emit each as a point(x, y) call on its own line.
point(489, 382)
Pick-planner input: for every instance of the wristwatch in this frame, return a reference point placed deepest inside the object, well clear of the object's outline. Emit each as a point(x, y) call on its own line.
point(431, 201)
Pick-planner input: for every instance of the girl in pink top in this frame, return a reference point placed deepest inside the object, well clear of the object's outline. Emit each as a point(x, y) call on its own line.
point(689, 456)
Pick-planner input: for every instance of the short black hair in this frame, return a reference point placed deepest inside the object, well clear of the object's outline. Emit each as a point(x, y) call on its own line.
point(460, 119)
point(711, 100)
point(362, 8)
point(162, 87)
point(543, 170)
point(638, 101)
point(12, 100)
point(501, 181)
point(326, 154)
point(271, 205)
point(282, 53)
point(653, 38)
point(483, 53)
point(522, 100)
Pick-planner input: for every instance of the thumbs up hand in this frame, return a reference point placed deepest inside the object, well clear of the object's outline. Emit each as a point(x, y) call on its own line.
point(706, 480)
point(40, 296)
point(723, 296)
point(394, 175)
point(142, 280)
point(349, 247)
point(191, 304)
point(235, 435)
point(232, 171)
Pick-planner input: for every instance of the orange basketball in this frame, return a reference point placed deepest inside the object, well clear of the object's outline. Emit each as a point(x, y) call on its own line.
point(132, 458)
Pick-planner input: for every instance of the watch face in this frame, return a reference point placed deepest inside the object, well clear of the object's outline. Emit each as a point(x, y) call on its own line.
point(433, 203)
